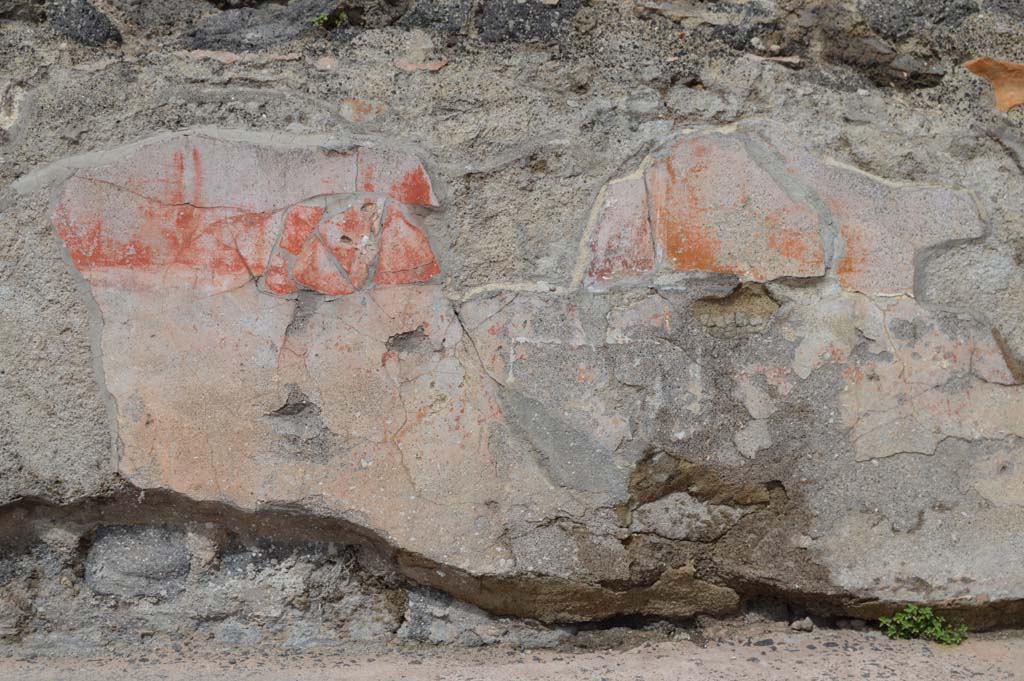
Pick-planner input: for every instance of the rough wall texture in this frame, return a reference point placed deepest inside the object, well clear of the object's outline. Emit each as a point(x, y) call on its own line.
point(316, 315)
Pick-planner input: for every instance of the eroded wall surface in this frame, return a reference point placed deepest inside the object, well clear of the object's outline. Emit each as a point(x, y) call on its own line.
point(565, 310)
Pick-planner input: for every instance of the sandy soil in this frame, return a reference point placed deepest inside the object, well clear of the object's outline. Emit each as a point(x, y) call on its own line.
point(768, 653)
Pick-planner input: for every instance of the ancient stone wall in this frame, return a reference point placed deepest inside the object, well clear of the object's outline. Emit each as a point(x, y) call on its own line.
point(487, 320)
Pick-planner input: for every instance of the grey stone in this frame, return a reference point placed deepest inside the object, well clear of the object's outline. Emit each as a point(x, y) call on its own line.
point(851, 623)
point(899, 19)
point(802, 625)
point(236, 633)
point(166, 16)
point(11, 618)
point(433, 617)
point(448, 16)
point(1011, 7)
point(24, 10)
point(80, 21)
point(234, 4)
point(138, 561)
point(522, 20)
point(695, 12)
point(680, 516)
point(736, 23)
point(248, 28)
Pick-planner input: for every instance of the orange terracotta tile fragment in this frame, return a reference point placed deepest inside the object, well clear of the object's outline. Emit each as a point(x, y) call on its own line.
point(316, 270)
point(1007, 80)
point(405, 253)
point(351, 237)
point(413, 187)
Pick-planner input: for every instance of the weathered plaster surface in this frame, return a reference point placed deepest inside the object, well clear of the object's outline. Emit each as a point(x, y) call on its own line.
point(273, 335)
point(570, 310)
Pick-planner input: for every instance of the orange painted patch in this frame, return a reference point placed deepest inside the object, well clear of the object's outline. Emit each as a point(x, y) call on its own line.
point(252, 238)
point(688, 243)
point(789, 243)
point(621, 245)
point(693, 246)
point(197, 178)
point(367, 172)
point(199, 239)
point(160, 235)
point(401, 177)
point(277, 279)
point(317, 271)
point(299, 223)
point(414, 187)
point(714, 209)
point(176, 179)
point(183, 181)
point(836, 354)
point(855, 257)
point(360, 105)
point(405, 253)
point(351, 238)
point(852, 374)
point(91, 248)
point(110, 224)
point(359, 110)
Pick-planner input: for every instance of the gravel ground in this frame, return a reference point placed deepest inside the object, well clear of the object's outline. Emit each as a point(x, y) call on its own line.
point(752, 652)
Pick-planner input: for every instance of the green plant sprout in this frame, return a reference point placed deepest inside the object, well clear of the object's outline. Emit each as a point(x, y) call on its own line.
point(330, 20)
point(916, 621)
